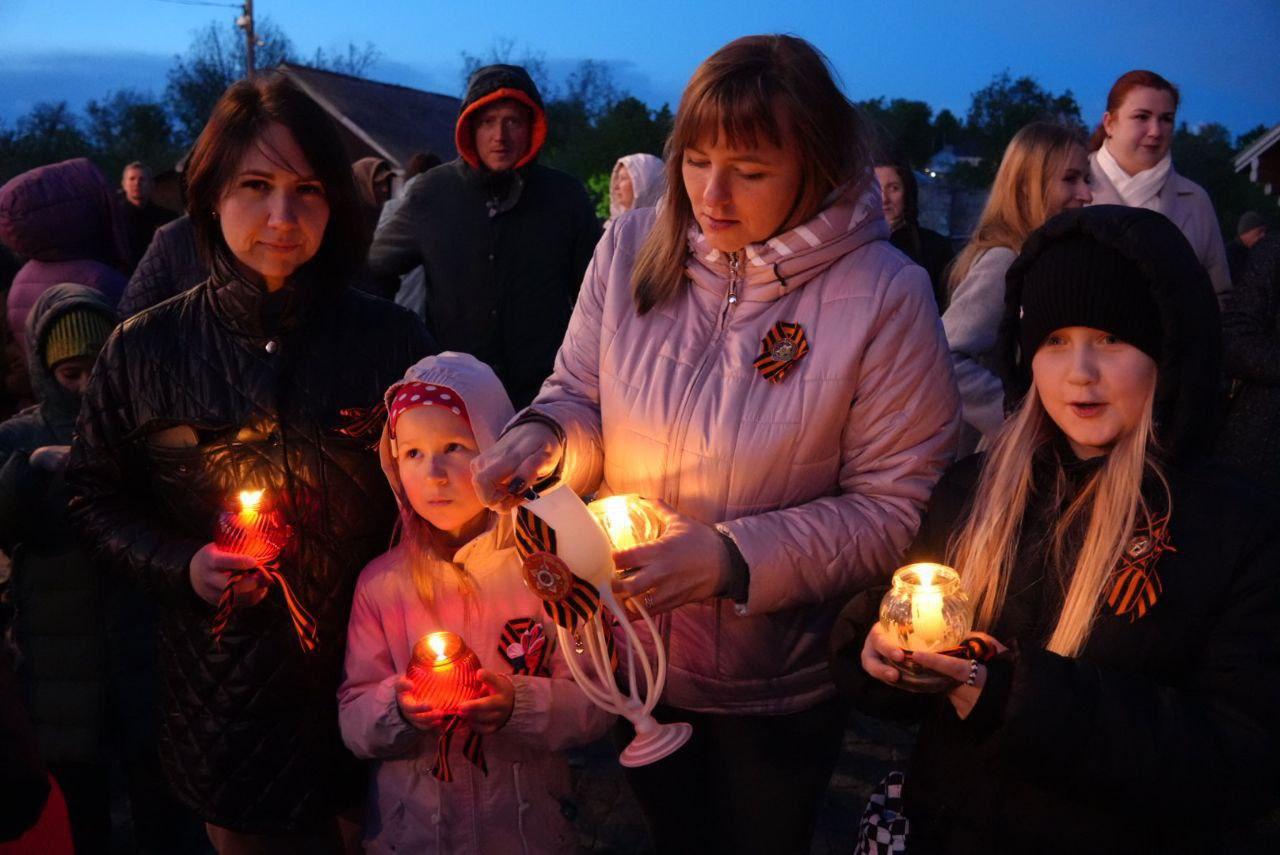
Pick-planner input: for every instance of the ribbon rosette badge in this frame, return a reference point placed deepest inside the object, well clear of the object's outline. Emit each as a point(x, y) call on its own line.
point(780, 349)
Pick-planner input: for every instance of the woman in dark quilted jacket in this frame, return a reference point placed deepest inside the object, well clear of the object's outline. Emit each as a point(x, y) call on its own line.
point(264, 377)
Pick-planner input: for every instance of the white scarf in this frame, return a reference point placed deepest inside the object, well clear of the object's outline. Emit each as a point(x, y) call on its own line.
point(1136, 191)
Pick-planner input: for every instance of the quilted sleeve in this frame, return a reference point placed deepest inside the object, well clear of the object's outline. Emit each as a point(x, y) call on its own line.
point(153, 281)
point(898, 437)
point(107, 506)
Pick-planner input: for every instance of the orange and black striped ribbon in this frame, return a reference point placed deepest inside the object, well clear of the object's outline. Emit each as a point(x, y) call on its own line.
point(364, 423)
point(787, 338)
point(582, 602)
point(1136, 585)
point(472, 749)
point(304, 625)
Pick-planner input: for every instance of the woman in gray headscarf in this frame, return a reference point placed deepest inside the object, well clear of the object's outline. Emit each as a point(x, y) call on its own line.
point(638, 181)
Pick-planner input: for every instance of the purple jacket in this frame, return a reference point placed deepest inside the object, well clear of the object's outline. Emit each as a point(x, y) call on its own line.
point(63, 219)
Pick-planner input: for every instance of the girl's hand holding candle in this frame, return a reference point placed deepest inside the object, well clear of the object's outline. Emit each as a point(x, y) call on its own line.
point(489, 713)
point(419, 714)
point(925, 610)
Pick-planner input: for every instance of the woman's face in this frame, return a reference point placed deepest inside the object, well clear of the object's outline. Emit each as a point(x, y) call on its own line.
point(893, 197)
point(1093, 385)
point(1140, 132)
point(741, 195)
point(1072, 187)
point(273, 212)
point(434, 450)
point(623, 192)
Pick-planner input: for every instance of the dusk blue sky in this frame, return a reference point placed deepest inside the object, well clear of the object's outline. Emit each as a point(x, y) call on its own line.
point(1222, 54)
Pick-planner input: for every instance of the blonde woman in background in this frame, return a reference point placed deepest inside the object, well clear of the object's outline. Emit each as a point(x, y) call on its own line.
point(1045, 170)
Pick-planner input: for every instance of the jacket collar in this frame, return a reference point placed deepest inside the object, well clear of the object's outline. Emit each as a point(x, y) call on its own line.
point(247, 308)
point(771, 269)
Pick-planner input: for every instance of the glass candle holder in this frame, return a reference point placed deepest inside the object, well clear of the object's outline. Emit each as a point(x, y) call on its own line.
point(444, 671)
point(927, 609)
point(250, 529)
point(628, 520)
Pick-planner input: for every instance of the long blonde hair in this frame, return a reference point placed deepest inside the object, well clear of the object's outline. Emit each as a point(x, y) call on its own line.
point(1019, 200)
point(778, 87)
point(985, 548)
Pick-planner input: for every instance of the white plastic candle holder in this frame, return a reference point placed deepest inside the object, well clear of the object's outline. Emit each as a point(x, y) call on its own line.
point(585, 548)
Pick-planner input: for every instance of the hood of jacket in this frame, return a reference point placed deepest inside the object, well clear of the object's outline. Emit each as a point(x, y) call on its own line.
point(481, 391)
point(55, 302)
point(648, 181)
point(1188, 379)
point(63, 212)
point(495, 83)
point(367, 172)
point(852, 216)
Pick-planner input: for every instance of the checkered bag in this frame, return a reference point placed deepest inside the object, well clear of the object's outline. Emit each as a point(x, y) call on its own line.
point(883, 828)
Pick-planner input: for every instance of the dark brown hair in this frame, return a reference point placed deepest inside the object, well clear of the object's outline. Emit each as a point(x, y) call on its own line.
point(778, 87)
point(910, 187)
point(1127, 82)
point(238, 121)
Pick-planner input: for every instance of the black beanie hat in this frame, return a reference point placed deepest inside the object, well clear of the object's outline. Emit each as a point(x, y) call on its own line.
point(1076, 281)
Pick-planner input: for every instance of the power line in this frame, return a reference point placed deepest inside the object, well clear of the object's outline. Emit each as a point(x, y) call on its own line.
point(200, 3)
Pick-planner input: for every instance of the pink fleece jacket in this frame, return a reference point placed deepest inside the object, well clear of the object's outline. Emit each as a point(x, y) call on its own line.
point(516, 807)
point(820, 479)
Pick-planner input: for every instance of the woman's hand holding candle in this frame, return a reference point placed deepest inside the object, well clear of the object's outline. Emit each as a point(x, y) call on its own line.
point(688, 564)
point(524, 455)
point(488, 714)
point(211, 568)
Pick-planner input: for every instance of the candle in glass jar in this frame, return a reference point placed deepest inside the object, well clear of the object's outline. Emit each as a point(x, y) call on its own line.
point(444, 671)
point(251, 529)
point(628, 520)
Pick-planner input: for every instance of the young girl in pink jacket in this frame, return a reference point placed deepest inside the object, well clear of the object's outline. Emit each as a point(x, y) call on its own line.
point(496, 782)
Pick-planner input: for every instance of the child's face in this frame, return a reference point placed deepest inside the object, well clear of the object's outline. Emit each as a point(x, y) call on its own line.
point(434, 449)
point(73, 374)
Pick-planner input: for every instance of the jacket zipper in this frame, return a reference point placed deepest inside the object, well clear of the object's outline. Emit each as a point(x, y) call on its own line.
point(685, 412)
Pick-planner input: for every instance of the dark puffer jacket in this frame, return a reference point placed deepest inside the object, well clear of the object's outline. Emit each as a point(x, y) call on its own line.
point(1161, 735)
point(504, 253)
point(61, 622)
point(64, 219)
point(270, 386)
point(1250, 439)
point(171, 265)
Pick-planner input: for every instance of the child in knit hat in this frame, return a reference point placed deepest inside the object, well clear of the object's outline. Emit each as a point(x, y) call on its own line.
point(60, 626)
point(489, 775)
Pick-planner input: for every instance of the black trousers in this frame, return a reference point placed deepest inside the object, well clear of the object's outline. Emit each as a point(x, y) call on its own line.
point(743, 783)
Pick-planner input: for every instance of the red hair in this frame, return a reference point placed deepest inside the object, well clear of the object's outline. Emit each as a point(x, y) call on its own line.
point(1130, 80)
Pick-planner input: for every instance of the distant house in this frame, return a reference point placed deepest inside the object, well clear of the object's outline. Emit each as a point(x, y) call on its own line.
point(949, 155)
point(1262, 159)
point(381, 119)
point(374, 119)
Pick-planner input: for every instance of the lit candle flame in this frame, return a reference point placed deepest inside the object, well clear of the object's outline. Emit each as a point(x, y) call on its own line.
point(617, 522)
point(924, 572)
point(251, 500)
point(437, 642)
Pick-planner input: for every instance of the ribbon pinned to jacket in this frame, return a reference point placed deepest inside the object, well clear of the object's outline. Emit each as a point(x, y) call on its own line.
point(472, 749)
point(304, 625)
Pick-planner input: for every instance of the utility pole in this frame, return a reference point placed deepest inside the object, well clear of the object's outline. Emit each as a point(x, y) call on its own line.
point(245, 22)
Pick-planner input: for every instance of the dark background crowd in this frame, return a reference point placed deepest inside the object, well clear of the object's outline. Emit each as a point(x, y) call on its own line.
point(487, 249)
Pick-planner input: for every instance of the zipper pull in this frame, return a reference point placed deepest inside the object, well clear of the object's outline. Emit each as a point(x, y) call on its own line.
point(733, 278)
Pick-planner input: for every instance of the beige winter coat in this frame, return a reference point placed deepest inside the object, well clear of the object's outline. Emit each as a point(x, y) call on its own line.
point(1185, 203)
point(819, 479)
